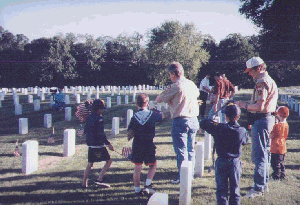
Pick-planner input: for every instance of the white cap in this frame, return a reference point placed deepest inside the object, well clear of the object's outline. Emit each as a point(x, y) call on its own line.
point(252, 62)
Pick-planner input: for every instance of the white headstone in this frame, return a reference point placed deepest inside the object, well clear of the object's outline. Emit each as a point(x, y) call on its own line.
point(97, 94)
point(108, 102)
point(68, 113)
point(42, 96)
point(118, 100)
point(158, 199)
point(30, 156)
point(133, 97)
point(129, 116)
point(126, 99)
point(207, 145)
point(2, 95)
point(47, 120)
point(18, 109)
point(151, 105)
point(185, 183)
point(199, 162)
point(67, 99)
point(115, 126)
point(78, 98)
point(30, 98)
point(119, 90)
point(16, 99)
point(36, 105)
point(52, 102)
point(69, 142)
point(23, 126)
point(0, 103)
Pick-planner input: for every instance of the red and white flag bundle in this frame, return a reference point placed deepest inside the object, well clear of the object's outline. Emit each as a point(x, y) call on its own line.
point(16, 152)
point(82, 112)
point(126, 152)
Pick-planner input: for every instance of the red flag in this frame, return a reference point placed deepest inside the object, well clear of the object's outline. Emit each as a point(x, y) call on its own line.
point(16, 152)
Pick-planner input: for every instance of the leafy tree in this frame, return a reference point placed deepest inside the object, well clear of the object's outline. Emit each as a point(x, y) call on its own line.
point(233, 52)
point(279, 37)
point(173, 41)
point(50, 61)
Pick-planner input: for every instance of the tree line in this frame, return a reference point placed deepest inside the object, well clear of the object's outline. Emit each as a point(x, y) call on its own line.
point(69, 59)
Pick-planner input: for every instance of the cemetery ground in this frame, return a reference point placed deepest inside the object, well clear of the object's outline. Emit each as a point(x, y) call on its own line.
point(58, 179)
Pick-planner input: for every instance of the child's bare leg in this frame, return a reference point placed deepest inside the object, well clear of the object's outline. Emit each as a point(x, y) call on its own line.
point(137, 174)
point(104, 169)
point(86, 174)
point(151, 173)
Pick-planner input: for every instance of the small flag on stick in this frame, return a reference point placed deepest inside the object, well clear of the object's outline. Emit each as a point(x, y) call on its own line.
point(51, 139)
point(16, 152)
point(126, 152)
point(80, 131)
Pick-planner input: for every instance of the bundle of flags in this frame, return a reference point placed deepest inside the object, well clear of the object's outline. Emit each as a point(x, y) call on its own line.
point(51, 139)
point(83, 111)
point(126, 152)
point(16, 152)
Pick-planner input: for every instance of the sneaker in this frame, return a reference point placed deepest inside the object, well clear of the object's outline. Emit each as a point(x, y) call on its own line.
point(252, 193)
point(175, 181)
point(141, 193)
point(149, 189)
point(101, 183)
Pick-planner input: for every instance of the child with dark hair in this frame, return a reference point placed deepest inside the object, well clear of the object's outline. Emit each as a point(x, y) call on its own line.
point(278, 137)
point(142, 130)
point(229, 138)
point(97, 142)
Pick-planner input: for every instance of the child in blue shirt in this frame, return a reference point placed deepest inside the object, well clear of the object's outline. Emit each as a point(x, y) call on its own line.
point(97, 142)
point(142, 130)
point(229, 138)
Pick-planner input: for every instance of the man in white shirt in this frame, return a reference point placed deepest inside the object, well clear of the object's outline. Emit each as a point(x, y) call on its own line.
point(204, 91)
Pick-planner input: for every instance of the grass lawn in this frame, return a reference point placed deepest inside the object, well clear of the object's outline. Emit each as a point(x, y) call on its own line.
point(58, 179)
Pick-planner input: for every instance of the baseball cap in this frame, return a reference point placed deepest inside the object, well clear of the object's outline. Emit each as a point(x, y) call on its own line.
point(252, 62)
point(98, 104)
point(283, 111)
point(232, 110)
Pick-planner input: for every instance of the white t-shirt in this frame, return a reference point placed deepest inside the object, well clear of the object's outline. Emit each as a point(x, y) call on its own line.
point(204, 82)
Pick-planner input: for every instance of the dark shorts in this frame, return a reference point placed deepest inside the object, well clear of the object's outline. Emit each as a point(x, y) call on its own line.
point(98, 154)
point(142, 154)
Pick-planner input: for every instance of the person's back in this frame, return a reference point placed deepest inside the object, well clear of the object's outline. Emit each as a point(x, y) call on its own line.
point(228, 138)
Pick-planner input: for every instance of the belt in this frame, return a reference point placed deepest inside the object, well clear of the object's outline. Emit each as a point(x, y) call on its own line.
point(259, 116)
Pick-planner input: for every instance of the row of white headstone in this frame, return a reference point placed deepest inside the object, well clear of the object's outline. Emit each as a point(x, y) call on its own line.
point(30, 151)
point(291, 102)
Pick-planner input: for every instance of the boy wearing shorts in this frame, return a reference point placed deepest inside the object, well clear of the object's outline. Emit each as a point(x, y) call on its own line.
point(97, 142)
point(278, 137)
point(142, 130)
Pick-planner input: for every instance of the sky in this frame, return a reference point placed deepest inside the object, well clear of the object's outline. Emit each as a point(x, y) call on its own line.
point(46, 18)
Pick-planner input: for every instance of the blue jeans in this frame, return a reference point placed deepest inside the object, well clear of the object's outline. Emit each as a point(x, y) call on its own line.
point(228, 170)
point(183, 133)
point(261, 156)
point(212, 114)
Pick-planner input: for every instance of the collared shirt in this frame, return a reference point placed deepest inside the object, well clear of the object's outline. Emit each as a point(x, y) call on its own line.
point(94, 130)
point(228, 137)
point(204, 83)
point(219, 89)
point(266, 91)
point(229, 87)
point(182, 98)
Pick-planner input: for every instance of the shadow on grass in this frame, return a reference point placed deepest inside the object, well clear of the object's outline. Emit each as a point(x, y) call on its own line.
point(293, 150)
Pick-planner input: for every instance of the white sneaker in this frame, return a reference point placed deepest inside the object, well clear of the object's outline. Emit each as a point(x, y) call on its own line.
point(252, 193)
point(175, 181)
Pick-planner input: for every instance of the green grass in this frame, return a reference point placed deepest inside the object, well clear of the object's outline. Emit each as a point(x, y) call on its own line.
point(58, 179)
